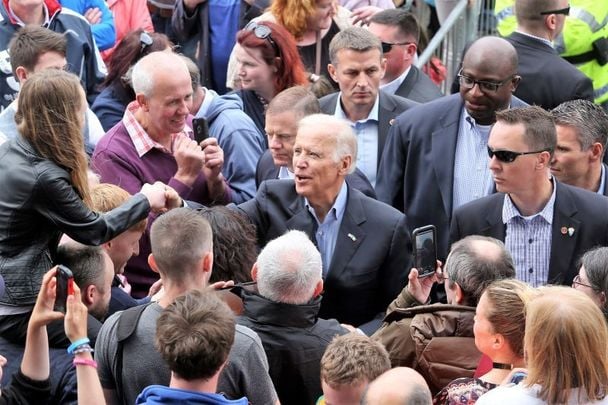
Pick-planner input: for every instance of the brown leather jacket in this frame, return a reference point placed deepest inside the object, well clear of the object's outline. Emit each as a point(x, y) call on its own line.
point(436, 340)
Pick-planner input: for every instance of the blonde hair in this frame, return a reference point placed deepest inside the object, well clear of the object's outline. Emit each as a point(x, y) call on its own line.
point(566, 345)
point(48, 118)
point(507, 311)
point(105, 197)
point(292, 14)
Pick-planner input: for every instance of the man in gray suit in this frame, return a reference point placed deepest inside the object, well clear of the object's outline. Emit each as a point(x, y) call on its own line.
point(399, 32)
point(357, 65)
point(435, 158)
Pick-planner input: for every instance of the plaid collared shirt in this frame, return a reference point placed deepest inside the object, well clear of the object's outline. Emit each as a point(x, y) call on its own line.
point(528, 239)
point(140, 138)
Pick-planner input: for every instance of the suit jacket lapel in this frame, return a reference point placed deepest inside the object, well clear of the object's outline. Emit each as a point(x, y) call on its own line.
point(302, 219)
point(494, 226)
point(385, 114)
point(443, 153)
point(350, 236)
point(408, 83)
point(563, 243)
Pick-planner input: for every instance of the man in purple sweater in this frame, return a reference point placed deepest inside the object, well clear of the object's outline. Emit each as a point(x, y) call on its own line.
point(153, 142)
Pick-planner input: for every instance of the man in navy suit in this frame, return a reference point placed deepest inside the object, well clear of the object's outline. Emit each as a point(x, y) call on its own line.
point(365, 245)
point(582, 133)
point(435, 159)
point(547, 79)
point(399, 32)
point(357, 65)
point(282, 116)
point(546, 225)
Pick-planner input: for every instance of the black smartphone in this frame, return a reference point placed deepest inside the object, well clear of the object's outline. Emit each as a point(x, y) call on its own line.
point(201, 129)
point(425, 250)
point(65, 287)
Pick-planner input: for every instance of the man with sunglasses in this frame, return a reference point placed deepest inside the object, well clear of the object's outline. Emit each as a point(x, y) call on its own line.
point(399, 32)
point(547, 79)
point(546, 225)
point(435, 156)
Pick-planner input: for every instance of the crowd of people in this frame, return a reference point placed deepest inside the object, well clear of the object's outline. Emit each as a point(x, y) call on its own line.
point(215, 201)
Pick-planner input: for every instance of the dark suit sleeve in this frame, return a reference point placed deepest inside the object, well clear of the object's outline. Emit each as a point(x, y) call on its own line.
point(389, 186)
point(454, 229)
point(584, 90)
point(398, 263)
point(254, 210)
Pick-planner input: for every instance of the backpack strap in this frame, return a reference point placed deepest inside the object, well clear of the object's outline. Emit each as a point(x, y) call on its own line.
point(126, 326)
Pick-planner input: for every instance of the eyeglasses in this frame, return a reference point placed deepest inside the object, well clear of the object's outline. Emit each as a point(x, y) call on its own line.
point(263, 32)
point(387, 47)
point(487, 87)
point(577, 280)
point(145, 41)
point(564, 11)
point(508, 156)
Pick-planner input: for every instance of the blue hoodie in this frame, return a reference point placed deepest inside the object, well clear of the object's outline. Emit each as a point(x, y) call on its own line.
point(239, 138)
point(159, 394)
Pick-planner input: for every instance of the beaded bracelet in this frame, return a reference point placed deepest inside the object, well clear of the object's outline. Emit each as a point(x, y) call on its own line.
point(75, 345)
point(85, 348)
point(84, 362)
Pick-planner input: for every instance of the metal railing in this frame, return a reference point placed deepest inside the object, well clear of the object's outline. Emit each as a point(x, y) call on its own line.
point(465, 23)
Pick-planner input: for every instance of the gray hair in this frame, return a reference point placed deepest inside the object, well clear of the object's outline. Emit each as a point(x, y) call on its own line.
point(338, 129)
point(297, 99)
point(289, 269)
point(474, 267)
point(144, 71)
point(589, 119)
point(354, 38)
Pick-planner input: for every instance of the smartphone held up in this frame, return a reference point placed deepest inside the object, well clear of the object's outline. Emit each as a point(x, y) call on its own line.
point(65, 287)
point(425, 250)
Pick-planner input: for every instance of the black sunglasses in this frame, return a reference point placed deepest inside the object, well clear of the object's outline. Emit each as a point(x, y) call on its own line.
point(564, 11)
point(508, 156)
point(387, 47)
point(145, 41)
point(263, 32)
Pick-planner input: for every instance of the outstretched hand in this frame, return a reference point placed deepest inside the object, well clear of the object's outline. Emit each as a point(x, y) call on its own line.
point(43, 312)
point(75, 317)
point(420, 288)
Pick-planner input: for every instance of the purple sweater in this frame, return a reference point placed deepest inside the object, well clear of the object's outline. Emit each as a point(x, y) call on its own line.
point(116, 160)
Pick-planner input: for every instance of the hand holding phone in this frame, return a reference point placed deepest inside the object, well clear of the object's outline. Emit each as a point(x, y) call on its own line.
point(201, 129)
point(65, 287)
point(425, 250)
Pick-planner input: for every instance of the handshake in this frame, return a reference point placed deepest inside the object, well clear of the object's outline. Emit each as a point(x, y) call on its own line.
point(161, 197)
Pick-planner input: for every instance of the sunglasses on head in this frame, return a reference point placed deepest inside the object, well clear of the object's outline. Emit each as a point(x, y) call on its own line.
point(564, 11)
point(263, 32)
point(508, 156)
point(145, 40)
point(387, 46)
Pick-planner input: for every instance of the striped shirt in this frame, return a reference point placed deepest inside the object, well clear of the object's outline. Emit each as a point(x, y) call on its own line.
point(528, 239)
point(472, 178)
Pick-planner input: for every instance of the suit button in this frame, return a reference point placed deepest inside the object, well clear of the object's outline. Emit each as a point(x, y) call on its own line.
point(530, 270)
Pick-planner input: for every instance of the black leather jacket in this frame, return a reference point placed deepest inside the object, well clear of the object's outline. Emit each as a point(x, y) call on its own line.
point(37, 205)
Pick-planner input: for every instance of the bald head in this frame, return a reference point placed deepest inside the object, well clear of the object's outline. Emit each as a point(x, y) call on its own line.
point(158, 69)
point(398, 386)
point(493, 53)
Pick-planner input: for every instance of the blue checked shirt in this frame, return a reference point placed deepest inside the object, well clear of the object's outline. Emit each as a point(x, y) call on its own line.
point(327, 232)
point(367, 139)
point(528, 239)
point(472, 178)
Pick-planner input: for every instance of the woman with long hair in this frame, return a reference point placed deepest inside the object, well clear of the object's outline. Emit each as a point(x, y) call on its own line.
point(267, 63)
point(500, 320)
point(45, 192)
point(111, 103)
point(566, 344)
